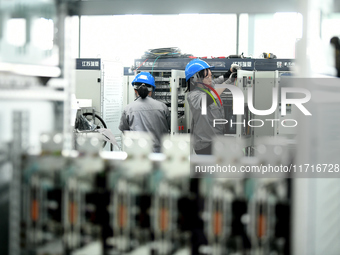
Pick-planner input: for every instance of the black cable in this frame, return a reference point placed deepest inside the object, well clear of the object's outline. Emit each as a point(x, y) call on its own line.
point(172, 52)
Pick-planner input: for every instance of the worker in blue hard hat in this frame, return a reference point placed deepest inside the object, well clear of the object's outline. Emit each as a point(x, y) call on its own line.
point(145, 113)
point(200, 81)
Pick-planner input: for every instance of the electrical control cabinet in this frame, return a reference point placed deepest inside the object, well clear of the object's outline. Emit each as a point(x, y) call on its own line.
point(102, 82)
point(266, 95)
point(238, 124)
point(258, 89)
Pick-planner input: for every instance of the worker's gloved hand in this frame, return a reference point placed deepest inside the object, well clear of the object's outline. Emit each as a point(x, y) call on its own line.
point(235, 67)
point(232, 72)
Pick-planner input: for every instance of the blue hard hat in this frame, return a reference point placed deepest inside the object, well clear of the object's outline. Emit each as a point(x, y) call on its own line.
point(146, 78)
point(194, 66)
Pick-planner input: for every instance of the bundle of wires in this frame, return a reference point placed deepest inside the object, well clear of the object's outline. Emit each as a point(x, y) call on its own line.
point(162, 52)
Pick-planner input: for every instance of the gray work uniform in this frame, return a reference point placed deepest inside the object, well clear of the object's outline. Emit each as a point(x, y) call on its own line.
point(147, 115)
point(202, 128)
